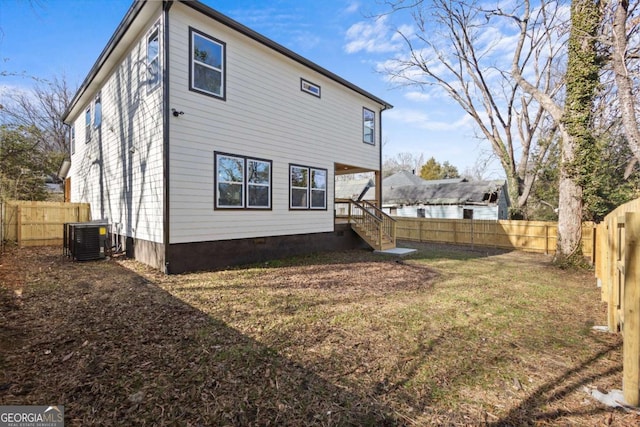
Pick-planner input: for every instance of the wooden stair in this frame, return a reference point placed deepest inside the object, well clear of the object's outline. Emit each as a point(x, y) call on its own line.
point(374, 226)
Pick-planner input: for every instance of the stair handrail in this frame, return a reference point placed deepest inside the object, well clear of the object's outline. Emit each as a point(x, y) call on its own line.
point(373, 219)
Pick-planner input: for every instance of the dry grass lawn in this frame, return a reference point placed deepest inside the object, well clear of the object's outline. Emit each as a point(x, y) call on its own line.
point(448, 336)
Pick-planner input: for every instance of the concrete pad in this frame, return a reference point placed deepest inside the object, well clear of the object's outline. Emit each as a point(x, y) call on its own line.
point(397, 251)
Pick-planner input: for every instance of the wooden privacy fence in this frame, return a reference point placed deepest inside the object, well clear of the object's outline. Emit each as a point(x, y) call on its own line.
point(40, 223)
point(531, 236)
point(618, 274)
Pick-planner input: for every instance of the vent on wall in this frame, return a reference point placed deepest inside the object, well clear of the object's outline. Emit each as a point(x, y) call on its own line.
point(84, 241)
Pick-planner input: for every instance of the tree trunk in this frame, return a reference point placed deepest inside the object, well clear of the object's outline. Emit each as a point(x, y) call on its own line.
point(578, 145)
point(569, 216)
point(623, 79)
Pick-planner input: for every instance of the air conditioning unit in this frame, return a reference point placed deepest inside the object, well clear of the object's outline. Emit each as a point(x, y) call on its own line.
point(84, 241)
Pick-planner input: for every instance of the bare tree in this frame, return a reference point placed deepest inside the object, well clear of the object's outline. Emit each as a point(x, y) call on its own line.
point(41, 108)
point(403, 162)
point(621, 33)
point(457, 49)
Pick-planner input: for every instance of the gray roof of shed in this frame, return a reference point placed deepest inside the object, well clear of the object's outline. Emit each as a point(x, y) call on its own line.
point(478, 192)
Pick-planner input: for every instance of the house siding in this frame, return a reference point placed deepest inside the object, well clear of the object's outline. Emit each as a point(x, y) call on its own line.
point(446, 211)
point(265, 115)
point(120, 170)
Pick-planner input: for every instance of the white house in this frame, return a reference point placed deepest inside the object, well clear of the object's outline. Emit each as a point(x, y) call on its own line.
point(205, 144)
point(407, 195)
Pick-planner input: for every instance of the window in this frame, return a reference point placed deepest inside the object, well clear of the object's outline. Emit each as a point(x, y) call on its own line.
point(368, 126)
point(97, 112)
point(73, 139)
point(308, 187)
point(207, 64)
point(258, 183)
point(307, 86)
point(299, 187)
point(87, 125)
point(153, 59)
point(242, 182)
point(318, 189)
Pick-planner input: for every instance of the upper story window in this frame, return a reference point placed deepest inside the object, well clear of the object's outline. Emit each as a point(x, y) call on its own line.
point(242, 182)
point(97, 112)
point(312, 88)
point(307, 187)
point(207, 63)
point(153, 59)
point(368, 126)
point(73, 139)
point(87, 125)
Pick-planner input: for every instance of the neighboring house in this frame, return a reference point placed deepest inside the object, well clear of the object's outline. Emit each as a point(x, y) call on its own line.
point(355, 189)
point(407, 195)
point(205, 144)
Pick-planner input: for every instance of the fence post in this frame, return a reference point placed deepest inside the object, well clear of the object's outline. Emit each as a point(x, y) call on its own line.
point(631, 331)
point(546, 239)
point(19, 225)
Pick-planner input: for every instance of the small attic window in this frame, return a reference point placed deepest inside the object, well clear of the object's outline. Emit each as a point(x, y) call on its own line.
point(311, 88)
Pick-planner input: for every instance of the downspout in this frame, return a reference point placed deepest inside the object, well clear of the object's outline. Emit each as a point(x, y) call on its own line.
point(166, 114)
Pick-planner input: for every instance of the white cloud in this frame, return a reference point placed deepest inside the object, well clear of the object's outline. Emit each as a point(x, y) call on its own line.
point(422, 120)
point(418, 96)
point(352, 7)
point(375, 36)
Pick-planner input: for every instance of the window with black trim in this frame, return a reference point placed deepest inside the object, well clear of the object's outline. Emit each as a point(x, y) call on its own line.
point(72, 136)
point(153, 59)
point(307, 187)
point(242, 182)
point(97, 112)
point(87, 125)
point(207, 64)
point(368, 126)
point(311, 88)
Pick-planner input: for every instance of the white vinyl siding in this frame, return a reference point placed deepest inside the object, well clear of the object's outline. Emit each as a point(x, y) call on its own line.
point(266, 116)
point(120, 173)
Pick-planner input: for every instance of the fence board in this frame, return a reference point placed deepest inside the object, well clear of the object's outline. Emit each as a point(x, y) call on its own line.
point(532, 236)
point(40, 223)
point(631, 343)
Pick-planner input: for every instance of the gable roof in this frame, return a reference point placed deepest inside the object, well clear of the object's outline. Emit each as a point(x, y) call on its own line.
point(402, 178)
point(128, 28)
point(469, 193)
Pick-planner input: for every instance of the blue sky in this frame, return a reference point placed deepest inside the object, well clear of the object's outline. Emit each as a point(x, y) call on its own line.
point(45, 38)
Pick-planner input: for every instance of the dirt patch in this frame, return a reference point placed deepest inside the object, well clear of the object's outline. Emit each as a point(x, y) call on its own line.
point(341, 339)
